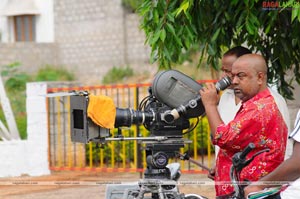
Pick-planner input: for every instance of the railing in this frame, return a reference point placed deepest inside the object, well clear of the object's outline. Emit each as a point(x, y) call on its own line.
point(117, 155)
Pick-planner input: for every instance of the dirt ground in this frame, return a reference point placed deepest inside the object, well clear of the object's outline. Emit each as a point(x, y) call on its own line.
point(91, 185)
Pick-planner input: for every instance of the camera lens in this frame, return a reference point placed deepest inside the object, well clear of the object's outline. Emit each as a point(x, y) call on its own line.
point(127, 117)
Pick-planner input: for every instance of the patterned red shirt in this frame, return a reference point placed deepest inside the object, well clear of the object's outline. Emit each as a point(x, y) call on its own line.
point(260, 122)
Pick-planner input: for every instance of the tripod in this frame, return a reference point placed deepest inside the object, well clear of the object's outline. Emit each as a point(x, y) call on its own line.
point(160, 178)
point(158, 183)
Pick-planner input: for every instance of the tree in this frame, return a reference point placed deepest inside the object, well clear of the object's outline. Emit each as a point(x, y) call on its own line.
point(174, 28)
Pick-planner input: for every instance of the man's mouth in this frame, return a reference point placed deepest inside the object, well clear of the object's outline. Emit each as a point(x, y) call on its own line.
point(237, 91)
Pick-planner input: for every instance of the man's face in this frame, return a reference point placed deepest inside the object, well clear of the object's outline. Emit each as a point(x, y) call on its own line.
point(226, 68)
point(245, 80)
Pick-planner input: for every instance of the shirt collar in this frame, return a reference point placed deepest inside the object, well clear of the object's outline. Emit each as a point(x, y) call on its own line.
point(261, 94)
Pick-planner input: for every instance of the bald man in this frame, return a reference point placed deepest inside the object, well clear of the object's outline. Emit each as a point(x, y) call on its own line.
point(258, 121)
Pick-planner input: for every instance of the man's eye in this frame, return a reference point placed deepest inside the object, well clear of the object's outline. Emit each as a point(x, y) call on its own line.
point(241, 75)
point(226, 71)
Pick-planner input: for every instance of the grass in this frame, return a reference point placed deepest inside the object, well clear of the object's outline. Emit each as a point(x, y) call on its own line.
point(118, 75)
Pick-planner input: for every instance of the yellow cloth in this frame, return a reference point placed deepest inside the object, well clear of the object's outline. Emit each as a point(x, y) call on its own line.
point(102, 111)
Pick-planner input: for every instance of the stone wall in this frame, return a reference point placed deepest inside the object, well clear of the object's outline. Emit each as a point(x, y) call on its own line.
point(30, 55)
point(95, 35)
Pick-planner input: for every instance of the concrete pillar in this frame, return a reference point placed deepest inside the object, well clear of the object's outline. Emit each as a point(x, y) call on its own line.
point(37, 129)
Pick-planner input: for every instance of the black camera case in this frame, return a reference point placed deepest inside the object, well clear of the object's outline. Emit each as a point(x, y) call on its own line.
point(175, 88)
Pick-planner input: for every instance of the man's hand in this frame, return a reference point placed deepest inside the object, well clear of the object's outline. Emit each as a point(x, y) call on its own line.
point(210, 100)
point(209, 95)
point(212, 173)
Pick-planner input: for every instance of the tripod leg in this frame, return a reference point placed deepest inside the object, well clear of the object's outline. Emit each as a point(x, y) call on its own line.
point(141, 192)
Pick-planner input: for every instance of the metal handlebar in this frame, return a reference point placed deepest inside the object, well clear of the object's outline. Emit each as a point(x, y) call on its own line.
point(239, 162)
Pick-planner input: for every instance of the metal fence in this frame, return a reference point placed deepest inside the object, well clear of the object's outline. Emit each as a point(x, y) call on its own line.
point(117, 155)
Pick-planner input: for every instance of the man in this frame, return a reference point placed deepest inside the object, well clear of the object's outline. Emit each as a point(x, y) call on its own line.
point(288, 171)
point(258, 121)
point(229, 104)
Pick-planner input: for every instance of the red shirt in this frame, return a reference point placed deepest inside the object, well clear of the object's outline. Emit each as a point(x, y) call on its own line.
point(260, 122)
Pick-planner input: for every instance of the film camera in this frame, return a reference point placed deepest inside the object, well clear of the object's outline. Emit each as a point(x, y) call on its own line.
point(173, 99)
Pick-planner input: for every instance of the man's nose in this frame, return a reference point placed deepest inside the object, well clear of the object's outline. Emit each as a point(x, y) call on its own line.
point(234, 80)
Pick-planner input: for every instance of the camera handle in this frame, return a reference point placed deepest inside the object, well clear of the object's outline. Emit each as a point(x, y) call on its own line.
point(185, 156)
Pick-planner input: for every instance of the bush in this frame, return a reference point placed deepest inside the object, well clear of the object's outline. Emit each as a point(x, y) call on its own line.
point(51, 73)
point(118, 150)
point(15, 81)
point(202, 131)
point(117, 75)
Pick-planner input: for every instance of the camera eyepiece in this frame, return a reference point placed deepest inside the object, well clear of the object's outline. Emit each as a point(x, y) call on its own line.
point(223, 83)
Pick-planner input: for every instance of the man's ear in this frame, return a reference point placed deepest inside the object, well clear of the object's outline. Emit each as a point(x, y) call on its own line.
point(261, 76)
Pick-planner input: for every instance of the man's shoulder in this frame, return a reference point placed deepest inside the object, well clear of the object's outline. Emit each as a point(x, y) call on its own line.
point(261, 97)
point(263, 100)
point(276, 95)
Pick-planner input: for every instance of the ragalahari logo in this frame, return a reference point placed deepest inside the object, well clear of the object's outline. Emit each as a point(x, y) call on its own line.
point(277, 5)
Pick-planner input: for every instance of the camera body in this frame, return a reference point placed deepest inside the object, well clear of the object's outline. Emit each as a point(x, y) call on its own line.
point(84, 130)
point(152, 116)
point(173, 99)
point(169, 90)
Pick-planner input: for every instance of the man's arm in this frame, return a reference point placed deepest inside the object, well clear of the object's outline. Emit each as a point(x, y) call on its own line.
point(209, 97)
point(289, 170)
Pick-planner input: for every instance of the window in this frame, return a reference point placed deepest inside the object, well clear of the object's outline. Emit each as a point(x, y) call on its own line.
point(24, 26)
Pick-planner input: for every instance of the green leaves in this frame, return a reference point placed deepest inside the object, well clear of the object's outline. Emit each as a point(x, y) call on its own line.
point(15, 80)
point(216, 34)
point(168, 32)
point(183, 7)
point(252, 24)
point(162, 35)
point(296, 14)
point(174, 28)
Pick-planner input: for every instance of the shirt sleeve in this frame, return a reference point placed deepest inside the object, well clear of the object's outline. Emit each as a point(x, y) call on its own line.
point(243, 129)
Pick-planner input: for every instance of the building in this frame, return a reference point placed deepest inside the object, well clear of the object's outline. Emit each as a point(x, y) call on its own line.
point(85, 37)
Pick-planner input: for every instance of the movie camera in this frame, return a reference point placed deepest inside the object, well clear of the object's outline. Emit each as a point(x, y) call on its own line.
point(173, 99)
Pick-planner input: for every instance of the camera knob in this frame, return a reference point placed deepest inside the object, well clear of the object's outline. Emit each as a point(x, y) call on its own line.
point(159, 160)
point(168, 117)
point(193, 103)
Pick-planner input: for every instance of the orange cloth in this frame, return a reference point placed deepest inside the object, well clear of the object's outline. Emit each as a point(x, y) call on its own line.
point(102, 111)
